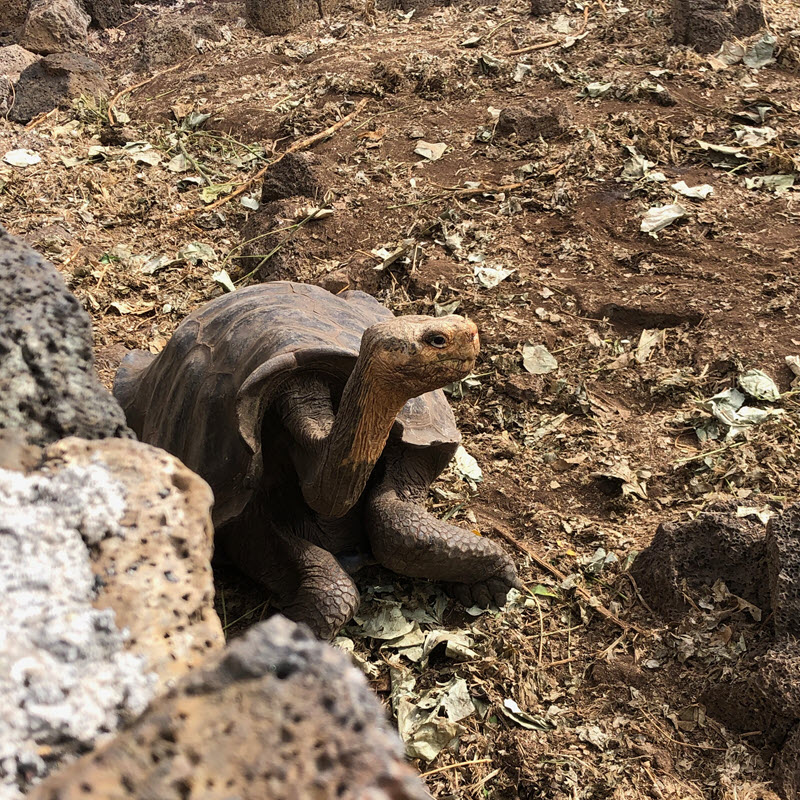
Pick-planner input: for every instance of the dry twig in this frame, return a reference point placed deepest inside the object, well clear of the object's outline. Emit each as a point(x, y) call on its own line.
point(303, 144)
point(557, 573)
point(454, 766)
point(129, 89)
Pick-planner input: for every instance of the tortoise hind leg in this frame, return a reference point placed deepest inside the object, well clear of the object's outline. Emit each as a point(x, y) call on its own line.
point(306, 582)
point(407, 539)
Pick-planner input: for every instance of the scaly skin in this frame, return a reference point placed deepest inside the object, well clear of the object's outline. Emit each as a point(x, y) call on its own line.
point(306, 582)
point(407, 539)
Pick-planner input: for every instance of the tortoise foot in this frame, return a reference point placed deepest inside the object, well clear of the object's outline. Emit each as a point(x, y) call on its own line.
point(307, 583)
point(324, 605)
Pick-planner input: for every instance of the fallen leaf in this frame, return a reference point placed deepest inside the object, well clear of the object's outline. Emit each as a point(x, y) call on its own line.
point(759, 385)
point(648, 340)
point(21, 158)
point(466, 467)
point(221, 277)
point(695, 192)
point(489, 277)
point(433, 152)
point(658, 217)
point(524, 719)
point(537, 359)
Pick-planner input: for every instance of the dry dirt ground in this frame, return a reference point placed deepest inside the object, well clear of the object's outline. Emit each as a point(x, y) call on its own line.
point(580, 463)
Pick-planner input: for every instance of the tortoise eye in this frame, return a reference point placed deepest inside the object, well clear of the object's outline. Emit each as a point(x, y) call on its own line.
point(437, 340)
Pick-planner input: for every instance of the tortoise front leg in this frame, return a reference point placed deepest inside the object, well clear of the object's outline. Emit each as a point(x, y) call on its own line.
point(307, 583)
point(407, 539)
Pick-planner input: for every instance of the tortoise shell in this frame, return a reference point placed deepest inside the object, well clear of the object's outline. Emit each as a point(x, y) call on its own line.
point(204, 397)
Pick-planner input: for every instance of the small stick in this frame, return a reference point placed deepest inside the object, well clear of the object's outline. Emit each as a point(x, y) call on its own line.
point(557, 573)
point(507, 187)
point(454, 766)
point(139, 85)
point(497, 28)
point(303, 144)
point(41, 118)
point(530, 48)
point(585, 20)
point(560, 662)
point(128, 22)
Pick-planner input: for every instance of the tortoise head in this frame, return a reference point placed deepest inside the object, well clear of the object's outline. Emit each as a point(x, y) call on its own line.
point(417, 354)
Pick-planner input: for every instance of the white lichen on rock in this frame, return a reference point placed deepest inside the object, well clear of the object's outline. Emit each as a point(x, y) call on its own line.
point(65, 677)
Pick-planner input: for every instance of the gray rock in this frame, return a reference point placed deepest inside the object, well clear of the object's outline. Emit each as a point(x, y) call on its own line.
point(169, 39)
point(65, 677)
point(13, 60)
point(282, 16)
point(544, 119)
point(278, 715)
point(716, 544)
point(541, 8)
point(48, 387)
point(262, 232)
point(55, 26)
point(55, 81)
point(109, 13)
point(410, 5)
point(12, 15)
point(105, 574)
point(155, 574)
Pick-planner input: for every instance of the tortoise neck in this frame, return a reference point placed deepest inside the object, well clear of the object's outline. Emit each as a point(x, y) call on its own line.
point(351, 449)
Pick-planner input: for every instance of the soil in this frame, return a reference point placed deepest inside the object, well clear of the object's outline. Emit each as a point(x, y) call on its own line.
point(594, 454)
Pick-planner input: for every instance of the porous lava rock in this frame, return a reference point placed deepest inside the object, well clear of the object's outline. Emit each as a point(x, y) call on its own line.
point(270, 250)
point(105, 552)
point(156, 572)
point(409, 5)
point(12, 16)
point(277, 715)
point(716, 544)
point(762, 565)
point(48, 386)
point(169, 39)
point(298, 174)
point(108, 13)
point(541, 8)
point(55, 81)
point(13, 60)
point(542, 119)
point(65, 676)
point(55, 26)
point(783, 564)
point(706, 24)
point(282, 16)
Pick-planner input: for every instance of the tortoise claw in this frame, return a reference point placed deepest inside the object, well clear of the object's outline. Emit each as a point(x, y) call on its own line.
point(484, 594)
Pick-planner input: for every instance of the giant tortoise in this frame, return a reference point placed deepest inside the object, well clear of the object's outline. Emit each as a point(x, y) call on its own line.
point(319, 422)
